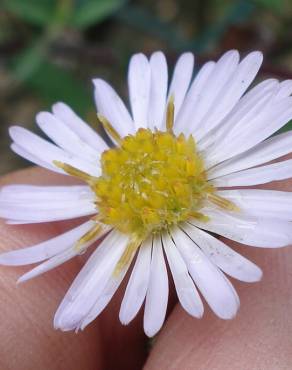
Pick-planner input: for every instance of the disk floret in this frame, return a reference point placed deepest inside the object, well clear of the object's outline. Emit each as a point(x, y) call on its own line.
point(150, 182)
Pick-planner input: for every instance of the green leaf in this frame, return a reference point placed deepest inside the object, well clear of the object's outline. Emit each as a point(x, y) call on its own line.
point(139, 18)
point(48, 81)
point(136, 16)
point(38, 12)
point(276, 5)
point(55, 84)
point(27, 62)
point(287, 127)
point(79, 14)
point(239, 11)
point(88, 12)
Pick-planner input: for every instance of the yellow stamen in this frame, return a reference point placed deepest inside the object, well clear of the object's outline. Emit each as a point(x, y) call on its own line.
point(222, 202)
point(152, 181)
point(74, 171)
point(109, 128)
point(87, 237)
point(126, 257)
point(170, 115)
point(199, 216)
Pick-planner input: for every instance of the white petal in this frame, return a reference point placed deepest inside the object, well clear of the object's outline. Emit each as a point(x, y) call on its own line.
point(20, 222)
point(285, 90)
point(247, 230)
point(48, 265)
point(64, 113)
point(262, 203)
point(90, 282)
point(253, 132)
point(270, 149)
point(137, 285)
point(193, 97)
point(158, 90)
point(34, 159)
point(181, 80)
point(216, 289)
point(34, 192)
point(157, 293)
point(232, 91)
point(139, 78)
point(46, 249)
point(229, 261)
point(219, 76)
point(258, 175)
point(65, 138)
point(60, 258)
point(106, 295)
point(186, 290)
point(46, 210)
point(110, 105)
point(249, 106)
point(47, 152)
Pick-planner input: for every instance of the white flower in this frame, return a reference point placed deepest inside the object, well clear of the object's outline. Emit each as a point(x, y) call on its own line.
point(156, 196)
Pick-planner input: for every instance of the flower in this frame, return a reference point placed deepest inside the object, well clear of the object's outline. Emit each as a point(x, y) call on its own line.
point(180, 172)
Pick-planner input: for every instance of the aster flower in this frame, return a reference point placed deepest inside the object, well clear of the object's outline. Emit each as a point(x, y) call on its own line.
point(178, 176)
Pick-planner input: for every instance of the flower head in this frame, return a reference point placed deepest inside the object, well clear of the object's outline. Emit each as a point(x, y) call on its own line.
point(179, 171)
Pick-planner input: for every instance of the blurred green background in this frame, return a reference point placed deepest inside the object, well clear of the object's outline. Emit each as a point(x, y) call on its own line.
point(50, 49)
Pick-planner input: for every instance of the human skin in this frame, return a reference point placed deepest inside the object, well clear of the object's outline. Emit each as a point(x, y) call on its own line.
point(259, 338)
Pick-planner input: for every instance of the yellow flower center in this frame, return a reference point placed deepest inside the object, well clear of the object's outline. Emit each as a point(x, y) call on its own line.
point(150, 182)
